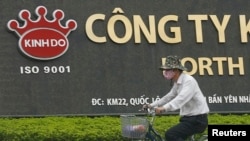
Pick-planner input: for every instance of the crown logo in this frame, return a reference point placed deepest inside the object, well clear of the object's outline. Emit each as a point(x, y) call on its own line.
point(42, 39)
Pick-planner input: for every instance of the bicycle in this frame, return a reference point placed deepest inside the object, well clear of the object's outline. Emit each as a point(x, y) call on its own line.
point(140, 128)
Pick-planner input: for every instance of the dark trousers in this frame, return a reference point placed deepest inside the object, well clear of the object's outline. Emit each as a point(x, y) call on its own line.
point(188, 125)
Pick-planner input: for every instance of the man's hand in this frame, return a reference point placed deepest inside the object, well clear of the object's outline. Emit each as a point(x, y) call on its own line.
point(159, 110)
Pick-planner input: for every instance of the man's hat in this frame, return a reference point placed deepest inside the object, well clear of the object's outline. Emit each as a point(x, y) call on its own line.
point(173, 62)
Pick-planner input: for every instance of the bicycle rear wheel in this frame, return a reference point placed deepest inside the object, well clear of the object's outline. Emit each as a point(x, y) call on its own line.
point(203, 138)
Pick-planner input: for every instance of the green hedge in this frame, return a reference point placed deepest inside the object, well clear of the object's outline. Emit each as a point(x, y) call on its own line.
point(104, 128)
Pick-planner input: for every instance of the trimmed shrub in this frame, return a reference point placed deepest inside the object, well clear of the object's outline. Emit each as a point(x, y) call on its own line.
point(104, 128)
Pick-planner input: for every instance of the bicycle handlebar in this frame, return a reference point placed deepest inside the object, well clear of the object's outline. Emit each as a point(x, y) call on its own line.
point(150, 111)
point(151, 114)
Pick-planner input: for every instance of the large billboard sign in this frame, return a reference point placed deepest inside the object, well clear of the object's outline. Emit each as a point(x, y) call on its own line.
point(102, 57)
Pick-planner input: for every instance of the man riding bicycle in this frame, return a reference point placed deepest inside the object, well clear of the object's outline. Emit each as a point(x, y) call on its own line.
point(186, 96)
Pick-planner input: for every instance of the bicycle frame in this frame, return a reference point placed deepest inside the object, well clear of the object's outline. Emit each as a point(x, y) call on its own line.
point(152, 134)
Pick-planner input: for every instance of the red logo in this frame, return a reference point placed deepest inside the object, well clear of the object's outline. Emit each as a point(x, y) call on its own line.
point(42, 39)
